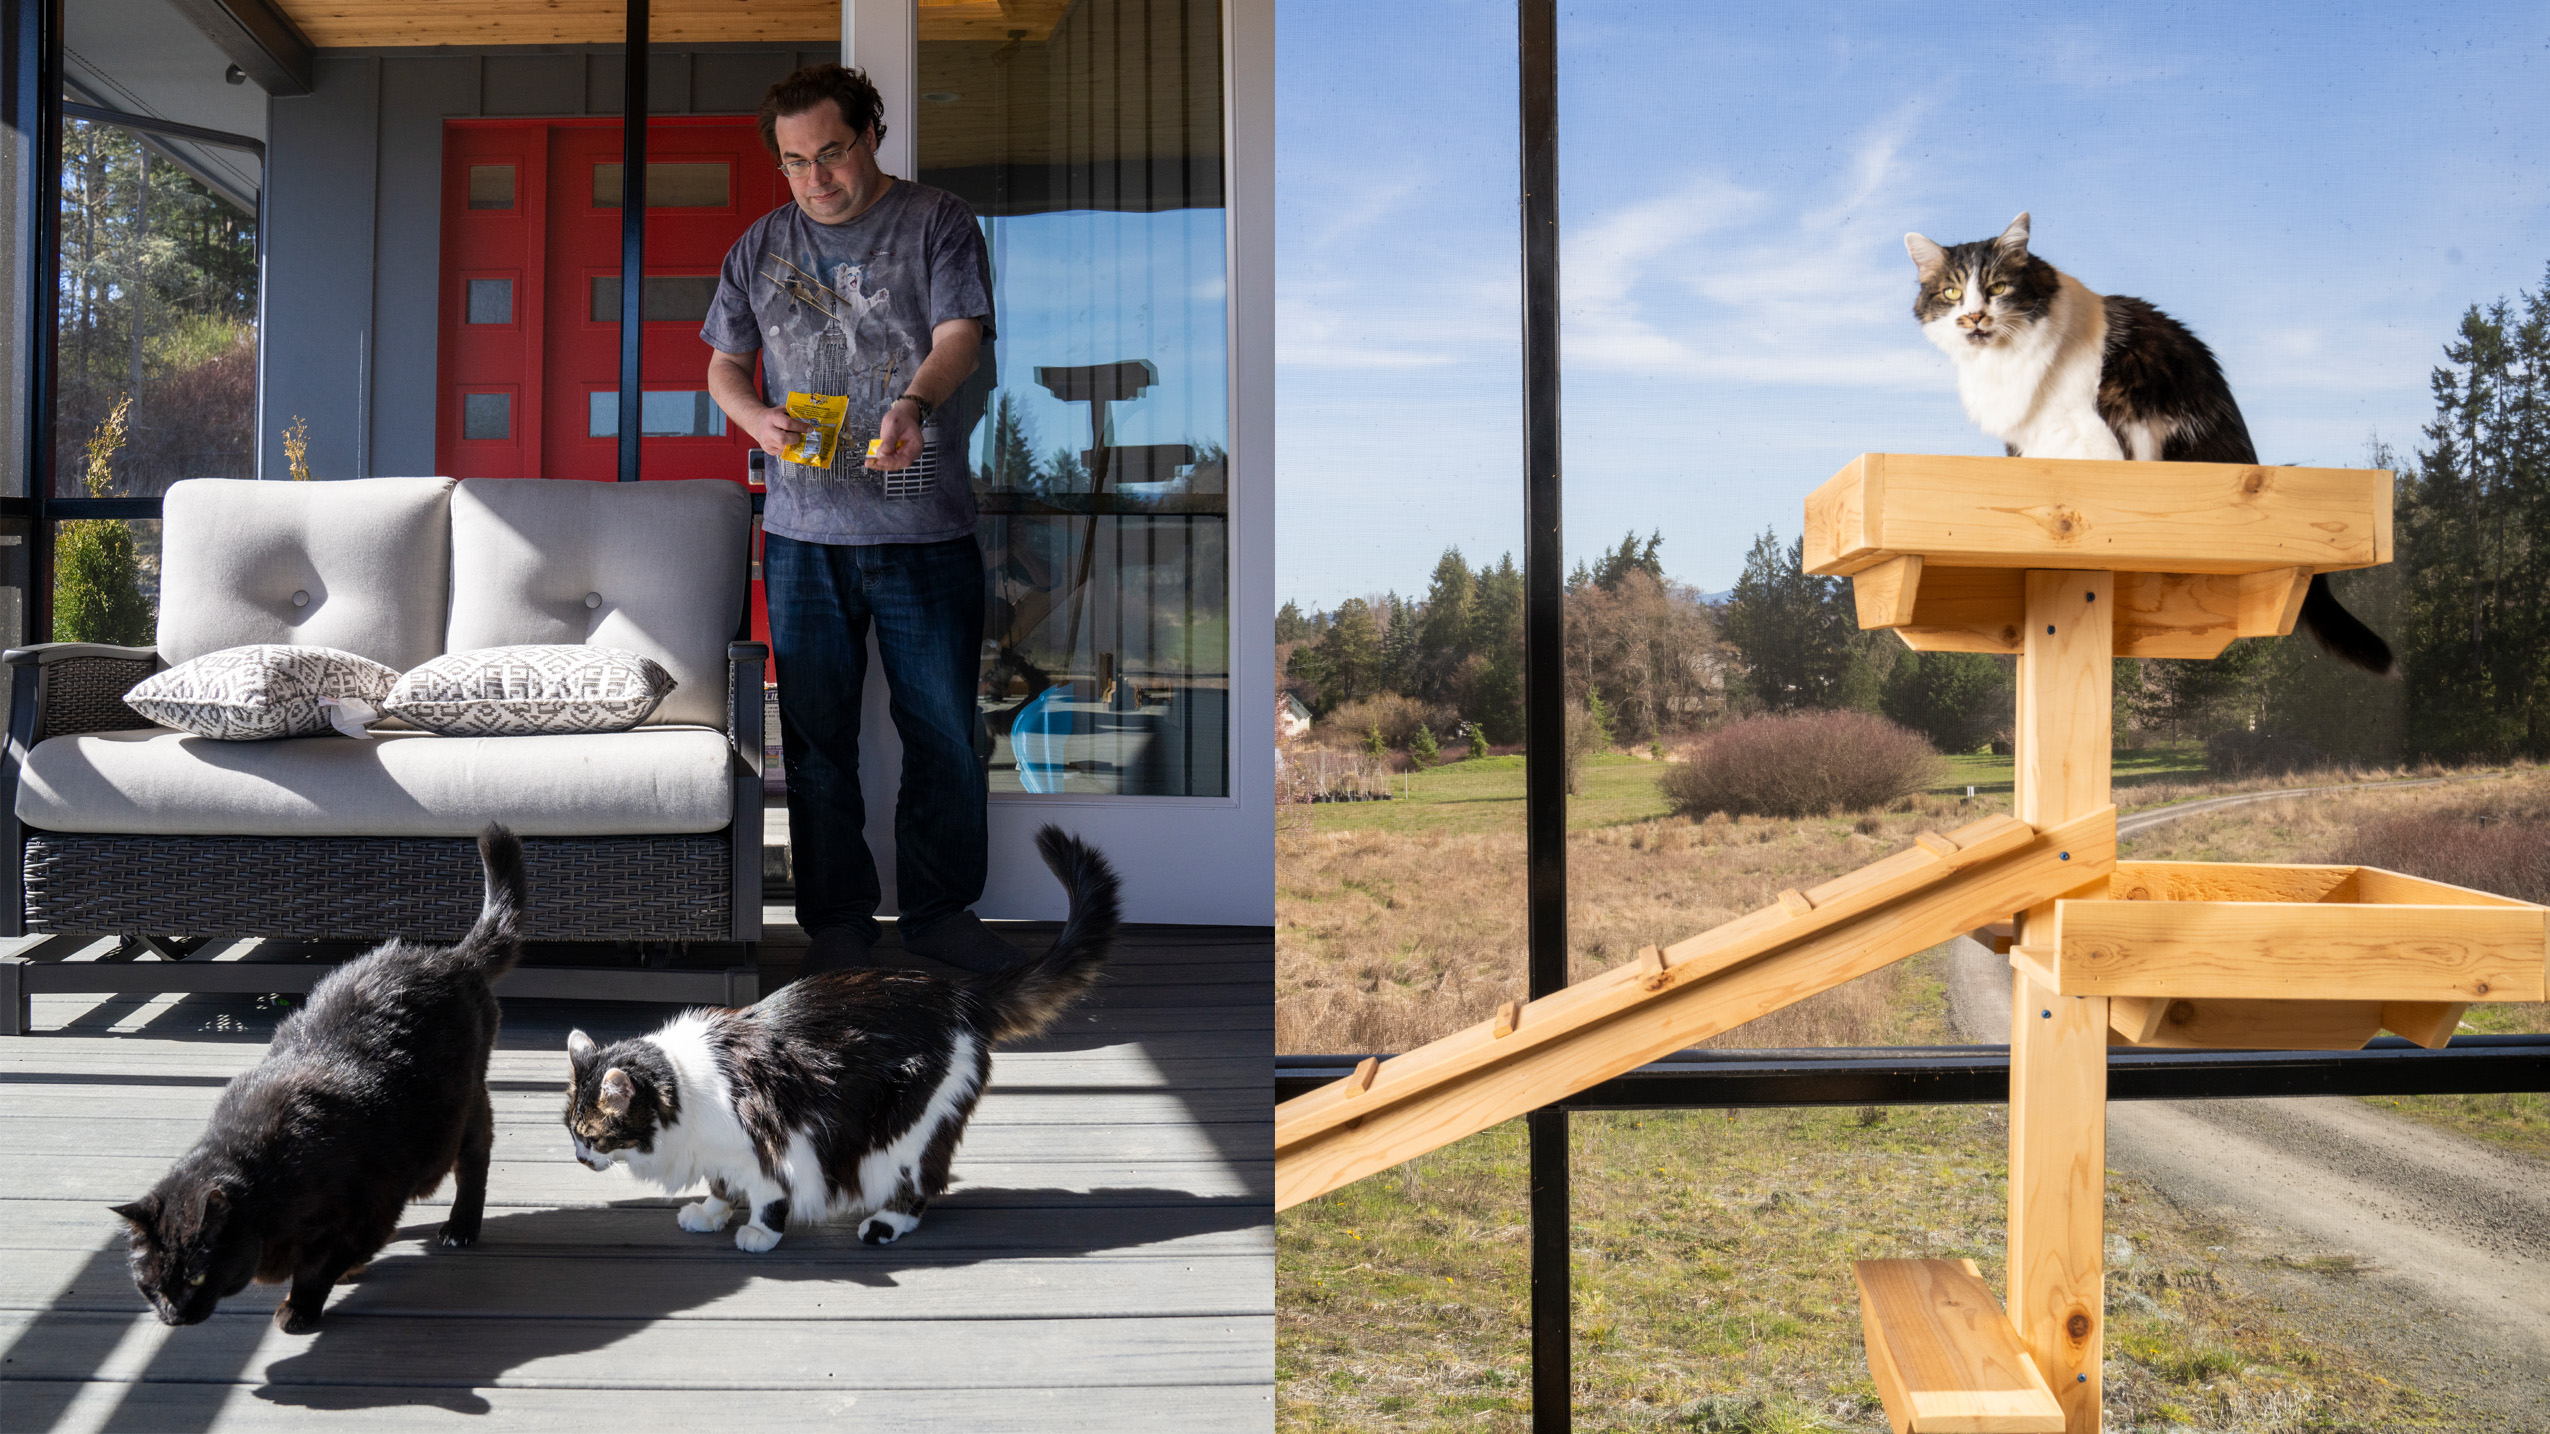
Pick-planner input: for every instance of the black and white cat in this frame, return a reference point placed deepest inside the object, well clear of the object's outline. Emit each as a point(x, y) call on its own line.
point(2055, 371)
point(842, 1094)
point(369, 1096)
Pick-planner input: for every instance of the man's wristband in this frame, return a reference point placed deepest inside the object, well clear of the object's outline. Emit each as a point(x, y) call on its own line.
point(923, 408)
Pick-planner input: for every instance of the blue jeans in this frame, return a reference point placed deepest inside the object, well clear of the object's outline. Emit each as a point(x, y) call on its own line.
point(925, 601)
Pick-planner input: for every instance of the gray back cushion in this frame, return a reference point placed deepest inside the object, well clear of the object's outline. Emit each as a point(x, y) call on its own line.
point(373, 555)
point(665, 560)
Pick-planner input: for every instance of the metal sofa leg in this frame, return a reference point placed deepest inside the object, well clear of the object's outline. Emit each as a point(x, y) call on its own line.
point(17, 1012)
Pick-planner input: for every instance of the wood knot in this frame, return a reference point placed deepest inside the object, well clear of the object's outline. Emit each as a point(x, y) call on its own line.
point(2078, 1326)
point(2064, 523)
point(2479, 988)
point(2138, 893)
point(2182, 1011)
point(2254, 481)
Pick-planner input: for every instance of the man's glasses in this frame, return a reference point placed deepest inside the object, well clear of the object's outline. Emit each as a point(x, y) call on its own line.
point(830, 158)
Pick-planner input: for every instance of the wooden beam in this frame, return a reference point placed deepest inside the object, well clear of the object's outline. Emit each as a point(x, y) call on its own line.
point(2271, 602)
point(2229, 881)
point(2135, 1019)
point(2215, 1025)
point(256, 36)
point(477, 23)
point(2186, 615)
point(1885, 593)
point(2325, 951)
point(1943, 1353)
point(2428, 1023)
point(2073, 513)
point(1966, 610)
point(2058, 1045)
point(1625, 1017)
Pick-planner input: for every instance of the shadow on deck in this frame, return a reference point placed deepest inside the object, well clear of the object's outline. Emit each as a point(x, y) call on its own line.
point(1104, 1261)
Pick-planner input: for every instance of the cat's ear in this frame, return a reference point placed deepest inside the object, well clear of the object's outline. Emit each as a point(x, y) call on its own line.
point(1927, 257)
point(216, 1208)
point(579, 1048)
point(142, 1214)
point(617, 1091)
point(2013, 243)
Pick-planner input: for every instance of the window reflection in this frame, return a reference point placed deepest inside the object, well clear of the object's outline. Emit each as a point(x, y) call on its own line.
point(1098, 423)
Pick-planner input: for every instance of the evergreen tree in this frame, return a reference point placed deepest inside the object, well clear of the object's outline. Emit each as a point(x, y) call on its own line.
point(1496, 641)
point(1350, 654)
point(1009, 456)
point(1290, 625)
point(1442, 628)
point(1399, 646)
point(97, 579)
point(1956, 699)
point(1424, 751)
point(1793, 632)
point(1630, 557)
point(1478, 740)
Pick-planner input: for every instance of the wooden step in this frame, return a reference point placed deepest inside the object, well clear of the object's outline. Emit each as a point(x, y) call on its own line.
point(1944, 1356)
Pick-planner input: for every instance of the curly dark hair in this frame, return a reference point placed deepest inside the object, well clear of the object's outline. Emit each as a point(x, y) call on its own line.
point(862, 108)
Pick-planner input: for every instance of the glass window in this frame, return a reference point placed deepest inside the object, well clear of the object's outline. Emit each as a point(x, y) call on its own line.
point(670, 298)
point(666, 414)
point(158, 302)
point(491, 301)
point(676, 184)
point(1097, 429)
point(491, 186)
point(487, 416)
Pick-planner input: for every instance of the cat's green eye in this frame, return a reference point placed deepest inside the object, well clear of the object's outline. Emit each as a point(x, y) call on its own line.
point(1952, 295)
point(192, 1280)
point(1998, 290)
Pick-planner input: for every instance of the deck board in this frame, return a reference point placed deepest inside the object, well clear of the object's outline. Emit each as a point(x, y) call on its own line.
point(1105, 1260)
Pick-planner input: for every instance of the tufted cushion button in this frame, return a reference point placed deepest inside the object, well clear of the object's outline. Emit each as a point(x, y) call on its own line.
point(593, 599)
point(301, 598)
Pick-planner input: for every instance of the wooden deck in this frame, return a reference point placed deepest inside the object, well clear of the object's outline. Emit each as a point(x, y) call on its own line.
point(1105, 1261)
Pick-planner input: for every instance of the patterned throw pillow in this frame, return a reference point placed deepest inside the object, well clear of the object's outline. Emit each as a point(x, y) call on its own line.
point(530, 690)
point(253, 694)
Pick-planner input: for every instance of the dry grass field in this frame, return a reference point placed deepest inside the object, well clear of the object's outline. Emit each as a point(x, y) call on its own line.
point(1712, 1249)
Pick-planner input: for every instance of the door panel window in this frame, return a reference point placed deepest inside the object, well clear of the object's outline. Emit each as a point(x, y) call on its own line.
point(674, 184)
point(491, 301)
point(670, 298)
point(487, 416)
point(671, 414)
point(491, 186)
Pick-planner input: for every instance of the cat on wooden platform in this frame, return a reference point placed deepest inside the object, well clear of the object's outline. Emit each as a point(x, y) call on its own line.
point(371, 1093)
point(842, 1094)
point(2056, 371)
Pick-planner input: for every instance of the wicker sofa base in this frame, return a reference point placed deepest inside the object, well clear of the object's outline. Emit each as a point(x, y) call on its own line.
point(651, 888)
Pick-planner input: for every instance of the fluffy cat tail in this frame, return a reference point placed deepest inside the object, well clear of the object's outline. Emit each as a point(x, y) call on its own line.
point(1023, 1000)
point(495, 943)
point(2341, 632)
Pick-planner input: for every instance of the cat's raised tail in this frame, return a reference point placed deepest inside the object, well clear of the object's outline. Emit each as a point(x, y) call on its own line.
point(1024, 999)
point(495, 943)
point(2342, 632)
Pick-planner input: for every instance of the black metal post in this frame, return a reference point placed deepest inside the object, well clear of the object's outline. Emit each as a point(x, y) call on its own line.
point(632, 236)
point(33, 76)
point(1545, 695)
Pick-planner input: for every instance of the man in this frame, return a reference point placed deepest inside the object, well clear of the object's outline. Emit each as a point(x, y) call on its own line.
point(877, 290)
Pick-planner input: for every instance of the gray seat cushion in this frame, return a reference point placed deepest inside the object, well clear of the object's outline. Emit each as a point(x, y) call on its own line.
point(409, 784)
point(373, 556)
point(657, 569)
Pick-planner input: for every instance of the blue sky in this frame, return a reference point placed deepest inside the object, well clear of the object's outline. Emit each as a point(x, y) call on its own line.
point(2318, 193)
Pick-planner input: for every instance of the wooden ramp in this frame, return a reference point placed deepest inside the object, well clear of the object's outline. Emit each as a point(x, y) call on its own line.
point(1670, 997)
point(1105, 1261)
point(1944, 1356)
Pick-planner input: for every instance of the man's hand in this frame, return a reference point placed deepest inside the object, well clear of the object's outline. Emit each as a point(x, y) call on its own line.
point(899, 439)
point(774, 430)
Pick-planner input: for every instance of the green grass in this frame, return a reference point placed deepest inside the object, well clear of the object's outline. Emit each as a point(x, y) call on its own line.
point(1484, 794)
point(1988, 774)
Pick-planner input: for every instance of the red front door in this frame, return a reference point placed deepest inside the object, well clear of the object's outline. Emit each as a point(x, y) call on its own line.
point(530, 330)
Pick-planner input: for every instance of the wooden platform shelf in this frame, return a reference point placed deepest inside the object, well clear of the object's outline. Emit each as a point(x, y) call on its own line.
point(2219, 955)
point(1937, 548)
point(1944, 1356)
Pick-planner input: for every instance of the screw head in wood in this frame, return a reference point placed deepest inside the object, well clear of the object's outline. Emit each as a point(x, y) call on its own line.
point(593, 600)
point(301, 598)
point(2049, 629)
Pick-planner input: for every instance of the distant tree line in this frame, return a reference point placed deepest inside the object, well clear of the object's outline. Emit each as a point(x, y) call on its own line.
point(1643, 645)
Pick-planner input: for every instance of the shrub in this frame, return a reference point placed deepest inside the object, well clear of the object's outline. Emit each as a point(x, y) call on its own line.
point(1424, 751)
point(1398, 718)
point(1478, 739)
point(2490, 852)
point(1799, 764)
point(2240, 753)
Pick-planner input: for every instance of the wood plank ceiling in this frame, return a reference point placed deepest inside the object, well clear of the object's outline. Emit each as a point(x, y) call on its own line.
point(479, 23)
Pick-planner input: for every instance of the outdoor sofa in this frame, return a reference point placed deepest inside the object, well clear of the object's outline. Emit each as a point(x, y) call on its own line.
point(113, 826)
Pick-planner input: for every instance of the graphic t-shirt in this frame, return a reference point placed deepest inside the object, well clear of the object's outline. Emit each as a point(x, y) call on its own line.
point(847, 309)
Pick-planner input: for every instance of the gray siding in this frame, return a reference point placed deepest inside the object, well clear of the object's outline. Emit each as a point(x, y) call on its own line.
point(354, 223)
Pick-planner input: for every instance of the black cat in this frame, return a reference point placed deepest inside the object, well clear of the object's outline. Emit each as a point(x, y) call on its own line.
point(2055, 371)
point(371, 1093)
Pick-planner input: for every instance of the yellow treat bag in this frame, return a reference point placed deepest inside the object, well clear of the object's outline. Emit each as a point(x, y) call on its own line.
point(813, 448)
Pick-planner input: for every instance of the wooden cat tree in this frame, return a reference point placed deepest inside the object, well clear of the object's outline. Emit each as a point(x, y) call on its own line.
point(2067, 565)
